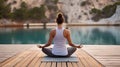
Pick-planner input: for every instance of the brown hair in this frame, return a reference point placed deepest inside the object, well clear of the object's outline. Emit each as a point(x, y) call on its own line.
point(60, 19)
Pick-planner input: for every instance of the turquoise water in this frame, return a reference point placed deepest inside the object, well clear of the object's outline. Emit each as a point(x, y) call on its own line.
point(100, 35)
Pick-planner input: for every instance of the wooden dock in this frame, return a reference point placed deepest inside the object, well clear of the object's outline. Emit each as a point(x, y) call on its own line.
point(108, 55)
point(32, 58)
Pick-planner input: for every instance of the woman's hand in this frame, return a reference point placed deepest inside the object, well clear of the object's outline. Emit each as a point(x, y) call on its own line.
point(80, 46)
point(39, 46)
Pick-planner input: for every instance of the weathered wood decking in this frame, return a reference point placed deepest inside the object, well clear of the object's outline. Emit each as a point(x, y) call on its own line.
point(32, 58)
point(108, 55)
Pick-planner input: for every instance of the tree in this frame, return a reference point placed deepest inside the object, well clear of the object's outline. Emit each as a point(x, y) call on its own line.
point(4, 9)
point(21, 13)
point(106, 12)
point(37, 13)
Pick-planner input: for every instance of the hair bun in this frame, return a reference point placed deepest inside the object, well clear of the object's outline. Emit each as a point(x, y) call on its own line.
point(59, 19)
point(59, 15)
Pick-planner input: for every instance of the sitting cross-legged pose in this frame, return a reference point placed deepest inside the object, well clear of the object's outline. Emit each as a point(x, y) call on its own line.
point(59, 37)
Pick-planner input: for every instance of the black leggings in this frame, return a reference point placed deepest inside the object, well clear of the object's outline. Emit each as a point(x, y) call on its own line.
point(48, 52)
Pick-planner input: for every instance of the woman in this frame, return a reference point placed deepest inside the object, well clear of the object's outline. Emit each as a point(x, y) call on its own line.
point(59, 36)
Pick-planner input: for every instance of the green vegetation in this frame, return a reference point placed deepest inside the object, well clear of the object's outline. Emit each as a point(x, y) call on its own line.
point(94, 10)
point(106, 12)
point(23, 13)
point(109, 10)
point(85, 3)
point(96, 13)
point(4, 9)
point(37, 13)
point(55, 1)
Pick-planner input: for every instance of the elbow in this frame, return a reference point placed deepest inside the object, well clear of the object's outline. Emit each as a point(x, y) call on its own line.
point(71, 44)
point(48, 44)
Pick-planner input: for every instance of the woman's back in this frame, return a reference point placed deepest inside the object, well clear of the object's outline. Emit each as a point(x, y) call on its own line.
point(59, 36)
point(59, 42)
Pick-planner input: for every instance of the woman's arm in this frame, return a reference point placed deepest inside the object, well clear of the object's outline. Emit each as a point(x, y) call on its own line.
point(51, 36)
point(69, 39)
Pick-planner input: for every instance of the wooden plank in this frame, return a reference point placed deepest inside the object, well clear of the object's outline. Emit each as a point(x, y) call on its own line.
point(33, 55)
point(38, 63)
point(26, 60)
point(83, 60)
point(86, 59)
point(74, 64)
point(16, 59)
point(43, 64)
point(69, 64)
point(109, 58)
point(59, 64)
point(53, 64)
point(37, 58)
point(64, 64)
point(8, 60)
point(79, 63)
point(92, 62)
point(48, 64)
point(104, 53)
point(112, 65)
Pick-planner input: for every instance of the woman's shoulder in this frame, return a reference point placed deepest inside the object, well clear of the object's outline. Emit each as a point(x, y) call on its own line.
point(67, 30)
point(52, 31)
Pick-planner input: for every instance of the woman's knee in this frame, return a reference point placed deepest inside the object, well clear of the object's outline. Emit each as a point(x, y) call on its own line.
point(47, 51)
point(74, 48)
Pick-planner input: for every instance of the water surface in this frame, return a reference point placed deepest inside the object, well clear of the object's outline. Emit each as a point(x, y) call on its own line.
point(100, 35)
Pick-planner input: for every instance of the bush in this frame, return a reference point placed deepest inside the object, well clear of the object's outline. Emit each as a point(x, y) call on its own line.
point(117, 3)
point(37, 13)
point(21, 13)
point(106, 12)
point(24, 13)
point(95, 11)
point(4, 9)
point(55, 1)
point(85, 3)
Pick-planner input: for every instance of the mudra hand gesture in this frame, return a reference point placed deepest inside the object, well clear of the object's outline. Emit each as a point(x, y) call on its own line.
point(79, 46)
point(39, 46)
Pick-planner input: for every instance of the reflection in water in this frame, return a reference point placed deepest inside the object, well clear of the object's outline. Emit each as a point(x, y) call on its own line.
point(25, 36)
point(99, 37)
point(96, 35)
point(85, 35)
